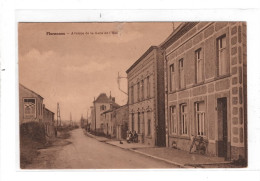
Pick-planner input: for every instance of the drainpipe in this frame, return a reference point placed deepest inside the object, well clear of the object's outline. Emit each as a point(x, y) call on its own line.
point(166, 98)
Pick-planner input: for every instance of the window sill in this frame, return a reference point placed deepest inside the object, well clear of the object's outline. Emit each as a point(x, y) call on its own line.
point(185, 137)
point(149, 137)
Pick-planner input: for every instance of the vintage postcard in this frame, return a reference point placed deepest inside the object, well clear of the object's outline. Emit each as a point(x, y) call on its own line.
point(133, 95)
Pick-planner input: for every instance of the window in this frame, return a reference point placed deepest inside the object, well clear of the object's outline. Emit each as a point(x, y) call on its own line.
point(172, 78)
point(29, 108)
point(181, 71)
point(148, 87)
point(222, 56)
point(184, 120)
point(139, 123)
point(173, 123)
point(148, 123)
point(199, 66)
point(132, 94)
point(138, 91)
point(133, 122)
point(142, 89)
point(102, 107)
point(142, 125)
point(200, 118)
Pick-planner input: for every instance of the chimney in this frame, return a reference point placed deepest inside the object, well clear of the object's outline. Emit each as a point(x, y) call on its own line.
point(113, 99)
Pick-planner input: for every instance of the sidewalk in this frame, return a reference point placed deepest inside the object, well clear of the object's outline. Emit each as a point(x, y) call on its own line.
point(180, 158)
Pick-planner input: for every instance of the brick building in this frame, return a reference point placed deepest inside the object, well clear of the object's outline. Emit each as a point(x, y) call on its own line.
point(206, 87)
point(146, 92)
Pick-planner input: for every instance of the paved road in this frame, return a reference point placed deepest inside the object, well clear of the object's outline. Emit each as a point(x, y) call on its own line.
point(86, 152)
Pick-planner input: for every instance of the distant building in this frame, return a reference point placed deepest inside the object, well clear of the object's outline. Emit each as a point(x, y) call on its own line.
point(146, 97)
point(206, 87)
point(121, 116)
point(115, 121)
point(30, 105)
point(100, 105)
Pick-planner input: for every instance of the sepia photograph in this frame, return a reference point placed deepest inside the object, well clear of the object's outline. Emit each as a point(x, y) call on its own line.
point(132, 95)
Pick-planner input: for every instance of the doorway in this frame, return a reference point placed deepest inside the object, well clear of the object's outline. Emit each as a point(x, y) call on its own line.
point(222, 144)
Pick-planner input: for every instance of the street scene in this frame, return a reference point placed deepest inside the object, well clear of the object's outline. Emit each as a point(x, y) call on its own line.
point(150, 95)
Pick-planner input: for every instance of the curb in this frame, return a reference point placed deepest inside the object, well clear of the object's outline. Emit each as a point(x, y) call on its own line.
point(145, 154)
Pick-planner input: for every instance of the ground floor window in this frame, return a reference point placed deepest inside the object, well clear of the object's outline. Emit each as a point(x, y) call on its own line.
point(200, 118)
point(133, 122)
point(139, 123)
point(149, 117)
point(184, 119)
point(173, 121)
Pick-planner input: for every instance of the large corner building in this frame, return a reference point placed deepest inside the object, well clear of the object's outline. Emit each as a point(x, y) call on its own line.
point(206, 87)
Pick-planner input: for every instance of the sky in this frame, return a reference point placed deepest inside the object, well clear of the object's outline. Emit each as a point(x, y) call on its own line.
point(74, 68)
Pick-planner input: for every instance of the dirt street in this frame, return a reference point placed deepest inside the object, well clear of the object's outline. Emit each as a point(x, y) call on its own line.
point(83, 152)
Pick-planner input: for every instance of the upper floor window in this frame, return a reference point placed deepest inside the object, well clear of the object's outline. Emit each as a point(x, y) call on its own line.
point(200, 118)
point(102, 107)
point(29, 108)
point(222, 63)
point(199, 65)
point(142, 89)
point(132, 94)
point(181, 71)
point(184, 119)
point(172, 78)
point(138, 91)
point(148, 86)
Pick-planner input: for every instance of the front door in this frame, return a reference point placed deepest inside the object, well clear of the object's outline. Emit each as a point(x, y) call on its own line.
point(222, 127)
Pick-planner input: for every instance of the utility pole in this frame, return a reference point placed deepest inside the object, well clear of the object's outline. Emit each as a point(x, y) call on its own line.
point(58, 115)
point(70, 119)
point(118, 82)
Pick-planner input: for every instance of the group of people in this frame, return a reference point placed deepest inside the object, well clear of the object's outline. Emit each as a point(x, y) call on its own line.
point(132, 137)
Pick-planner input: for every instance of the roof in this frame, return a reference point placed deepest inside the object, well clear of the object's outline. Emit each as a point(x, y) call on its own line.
point(102, 98)
point(177, 33)
point(30, 90)
point(142, 57)
point(48, 110)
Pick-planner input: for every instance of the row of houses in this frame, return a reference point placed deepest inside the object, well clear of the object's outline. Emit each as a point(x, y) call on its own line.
point(108, 118)
point(31, 108)
point(193, 84)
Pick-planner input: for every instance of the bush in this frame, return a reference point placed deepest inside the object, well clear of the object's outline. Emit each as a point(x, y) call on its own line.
point(32, 137)
point(34, 131)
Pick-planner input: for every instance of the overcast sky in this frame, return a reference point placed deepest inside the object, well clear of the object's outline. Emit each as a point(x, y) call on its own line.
point(73, 69)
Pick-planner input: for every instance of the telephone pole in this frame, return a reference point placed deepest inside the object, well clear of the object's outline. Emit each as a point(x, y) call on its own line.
point(70, 119)
point(58, 115)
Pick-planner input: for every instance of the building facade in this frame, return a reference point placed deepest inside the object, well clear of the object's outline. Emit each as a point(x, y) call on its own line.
point(30, 105)
point(205, 87)
point(121, 116)
point(49, 123)
point(146, 92)
point(31, 108)
point(100, 105)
